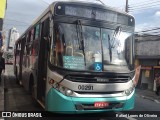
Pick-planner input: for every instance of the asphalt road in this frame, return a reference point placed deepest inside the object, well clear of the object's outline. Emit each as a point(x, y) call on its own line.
point(142, 104)
point(17, 99)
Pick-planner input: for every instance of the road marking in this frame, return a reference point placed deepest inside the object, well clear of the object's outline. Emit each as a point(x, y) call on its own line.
point(157, 101)
point(149, 98)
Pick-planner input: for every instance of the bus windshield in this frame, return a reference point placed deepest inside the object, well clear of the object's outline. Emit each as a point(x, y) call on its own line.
point(80, 47)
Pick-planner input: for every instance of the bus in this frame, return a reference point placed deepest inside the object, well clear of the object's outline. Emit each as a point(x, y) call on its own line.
point(78, 57)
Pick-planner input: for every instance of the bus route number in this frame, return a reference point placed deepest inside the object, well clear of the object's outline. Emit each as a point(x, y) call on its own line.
point(85, 87)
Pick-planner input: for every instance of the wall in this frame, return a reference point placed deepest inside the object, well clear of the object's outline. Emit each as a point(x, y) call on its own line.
point(148, 48)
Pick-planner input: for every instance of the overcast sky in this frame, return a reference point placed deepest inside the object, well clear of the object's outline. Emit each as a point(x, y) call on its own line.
point(21, 13)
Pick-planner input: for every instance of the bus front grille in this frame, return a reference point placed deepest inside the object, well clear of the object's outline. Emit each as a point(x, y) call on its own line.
point(98, 79)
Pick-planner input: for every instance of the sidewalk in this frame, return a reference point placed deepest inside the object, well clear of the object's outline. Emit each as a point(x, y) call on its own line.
point(2, 96)
point(2, 93)
point(148, 94)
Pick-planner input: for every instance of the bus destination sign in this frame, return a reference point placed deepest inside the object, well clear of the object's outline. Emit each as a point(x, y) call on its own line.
point(73, 62)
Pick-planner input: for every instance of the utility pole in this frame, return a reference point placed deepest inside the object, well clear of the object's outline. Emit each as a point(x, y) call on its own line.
point(126, 9)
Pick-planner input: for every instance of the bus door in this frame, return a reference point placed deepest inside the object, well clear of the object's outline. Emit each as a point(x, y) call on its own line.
point(21, 52)
point(42, 62)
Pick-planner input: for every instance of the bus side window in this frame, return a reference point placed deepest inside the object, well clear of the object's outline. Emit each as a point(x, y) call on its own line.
point(32, 35)
point(29, 44)
point(35, 38)
point(37, 31)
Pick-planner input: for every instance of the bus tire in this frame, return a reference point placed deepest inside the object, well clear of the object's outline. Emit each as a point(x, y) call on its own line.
point(18, 81)
point(16, 75)
point(31, 85)
point(31, 90)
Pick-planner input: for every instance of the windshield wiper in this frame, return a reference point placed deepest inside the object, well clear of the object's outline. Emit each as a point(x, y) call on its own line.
point(80, 38)
point(116, 34)
point(110, 48)
point(112, 43)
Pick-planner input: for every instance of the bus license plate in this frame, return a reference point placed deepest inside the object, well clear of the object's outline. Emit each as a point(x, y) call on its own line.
point(101, 104)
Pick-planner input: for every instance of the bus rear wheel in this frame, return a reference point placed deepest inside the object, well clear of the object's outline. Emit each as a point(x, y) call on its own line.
point(32, 91)
point(31, 86)
point(18, 81)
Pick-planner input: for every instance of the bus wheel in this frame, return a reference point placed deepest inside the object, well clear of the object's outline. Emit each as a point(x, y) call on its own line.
point(19, 82)
point(32, 91)
point(31, 86)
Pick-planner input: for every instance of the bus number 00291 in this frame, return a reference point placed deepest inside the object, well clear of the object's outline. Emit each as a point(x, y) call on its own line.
point(85, 87)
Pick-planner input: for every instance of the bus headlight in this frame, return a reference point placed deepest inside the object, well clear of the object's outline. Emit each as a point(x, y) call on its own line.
point(65, 91)
point(129, 91)
point(69, 92)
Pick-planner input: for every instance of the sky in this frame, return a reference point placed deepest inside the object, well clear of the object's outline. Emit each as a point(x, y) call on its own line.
point(21, 13)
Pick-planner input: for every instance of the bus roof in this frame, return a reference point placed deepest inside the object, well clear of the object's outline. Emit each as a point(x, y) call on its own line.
point(83, 3)
point(92, 4)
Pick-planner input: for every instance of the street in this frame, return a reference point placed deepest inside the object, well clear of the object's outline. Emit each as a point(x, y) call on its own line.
point(142, 104)
point(17, 99)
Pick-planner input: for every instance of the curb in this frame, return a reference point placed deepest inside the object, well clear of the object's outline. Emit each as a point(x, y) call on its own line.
point(149, 98)
point(2, 96)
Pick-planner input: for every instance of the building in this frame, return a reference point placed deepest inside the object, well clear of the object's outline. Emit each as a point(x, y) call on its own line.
point(12, 37)
point(3, 4)
point(147, 53)
point(2, 12)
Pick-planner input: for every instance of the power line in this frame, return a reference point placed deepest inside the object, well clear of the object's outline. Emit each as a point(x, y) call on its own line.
point(7, 24)
point(139, 3)
point(17, 21)
point(146, 3)
point(148, 35)
point(134, 10)
point(101, 2)
point(149, 5)
point(12, 12)
point(145, 7)
point(45, 2)
point(158, 28)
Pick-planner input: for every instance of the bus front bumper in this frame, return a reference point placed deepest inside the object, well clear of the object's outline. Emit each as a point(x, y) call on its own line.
point(59, 103)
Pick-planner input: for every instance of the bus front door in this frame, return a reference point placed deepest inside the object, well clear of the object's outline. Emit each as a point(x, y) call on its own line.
point(42, 63)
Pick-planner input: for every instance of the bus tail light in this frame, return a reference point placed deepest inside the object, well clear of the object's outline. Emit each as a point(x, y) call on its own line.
point(136, 77)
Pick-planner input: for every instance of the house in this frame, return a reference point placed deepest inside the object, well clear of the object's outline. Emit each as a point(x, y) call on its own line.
point(147, 54)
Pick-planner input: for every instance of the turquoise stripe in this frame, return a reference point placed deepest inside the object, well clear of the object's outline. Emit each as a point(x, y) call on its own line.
point(57, 102)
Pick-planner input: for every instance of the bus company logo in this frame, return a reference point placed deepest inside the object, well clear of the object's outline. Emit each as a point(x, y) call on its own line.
point(6, 114)
point(19, 114)
point(102, 80)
